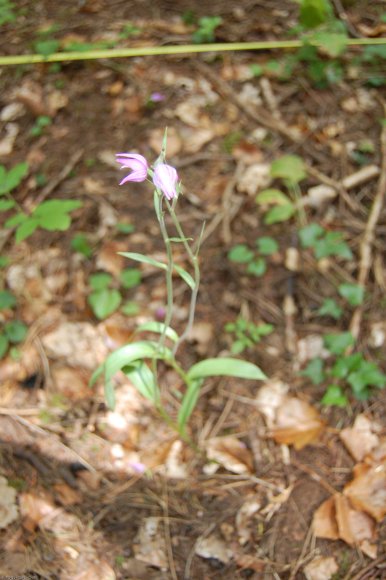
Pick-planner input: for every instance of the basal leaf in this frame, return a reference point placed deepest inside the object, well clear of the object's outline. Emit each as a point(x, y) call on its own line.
point(229, 367)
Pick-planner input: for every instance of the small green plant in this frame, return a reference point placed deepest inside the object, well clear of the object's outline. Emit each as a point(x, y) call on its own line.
point(52, 215)
point(324, 243)
point(354, 370)
point(246, 334)
point(255, 260)
point(139, 360)
point(291, 170)
point(104, 299)
point(7, 12)
point(129, 30)
point(14, 331)
point(205, 32)
point(41, 123)
point(80, 244)
point(330, 308)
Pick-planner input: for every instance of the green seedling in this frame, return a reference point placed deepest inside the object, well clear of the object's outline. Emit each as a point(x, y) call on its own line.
point(52, 215)
point(7, 12)
point(254, 260)
point(323, 243)
point(246, 334)
point(40, 124)
point(291, 170)
point(205, 32)
point(103, 299)
point(80, 244)
point(344, 371)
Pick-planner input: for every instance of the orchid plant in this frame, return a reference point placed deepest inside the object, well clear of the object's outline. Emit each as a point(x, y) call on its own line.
point(139, 360)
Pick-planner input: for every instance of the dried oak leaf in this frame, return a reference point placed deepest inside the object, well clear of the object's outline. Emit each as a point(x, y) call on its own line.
point(361, 438)
point(297, 423)
point(367, 491)
point(355, 527)
point(321, 568)
point(230, 453)
point(324, 523)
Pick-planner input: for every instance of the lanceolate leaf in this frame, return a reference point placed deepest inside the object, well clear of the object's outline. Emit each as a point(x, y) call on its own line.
point(229, 367)
point(143, 259)
point(124, 357)
point(188, 403)
point(143, 380)
point(185, 276)
point(159, 328)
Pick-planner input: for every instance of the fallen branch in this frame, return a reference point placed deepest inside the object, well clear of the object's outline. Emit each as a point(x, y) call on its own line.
point(365, 250)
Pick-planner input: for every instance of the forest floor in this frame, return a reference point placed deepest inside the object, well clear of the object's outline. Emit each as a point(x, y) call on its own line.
point(89, 493)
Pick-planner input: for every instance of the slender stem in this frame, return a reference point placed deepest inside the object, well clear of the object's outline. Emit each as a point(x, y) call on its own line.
point(180, 49)
point(169, 272)
point(194, 261)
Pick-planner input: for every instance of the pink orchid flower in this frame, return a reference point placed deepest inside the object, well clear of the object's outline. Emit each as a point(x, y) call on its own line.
point(137, 163)
point(165, 179)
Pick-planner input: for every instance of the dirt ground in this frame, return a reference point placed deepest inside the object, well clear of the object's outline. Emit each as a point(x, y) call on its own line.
point(85, 508)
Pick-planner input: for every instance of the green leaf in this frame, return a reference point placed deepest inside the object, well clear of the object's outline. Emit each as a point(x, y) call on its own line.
point(353, 293)
point(100, 281)
point(314, 371)
point(13, 178)
point(338, 343)
point(4, 261)
point(143, 259)
point(314, 12)
point(80, 244)
point(15, 331)
point(367, 375)
point(6, 204)
point(7, 300)
point(272, 196)
point(229, 367)
point(125, 228)
point(310, 234)
point(52, 206)
point(130, 308)
point(46, 47)
point(331, 43)
point(16, 220)
point(130, 278)
point(257, 268)
point(53, 222)
point(159, 328)
point(334, 396)
point(144, 381)
point(3, 345)
point(330, 308)
point(240, 254)
point(289, 167)
point(332, 245)
point(256, 70)
point(104, 302)
point(188, 403)
point(26, 229)
point(238, 346)
point(125, 356)
point(267, 245)
point(281, 213)
point(347, 364)
point(187, 278)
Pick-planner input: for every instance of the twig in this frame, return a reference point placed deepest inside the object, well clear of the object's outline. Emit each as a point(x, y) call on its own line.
point(168, 541)
point(341, 13)
point(365, 251)
point(53, 184)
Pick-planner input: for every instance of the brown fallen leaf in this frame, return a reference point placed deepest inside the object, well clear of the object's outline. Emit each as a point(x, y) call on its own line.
point(149, 544)
point(321, 568)
point(34, 507)
point(324, 523)
point(355, 527)
point(231, 453)
point(215, 547)
point(367, 491)
point(8, 507)
point(297, 423)
point(66, 495)
point(361, 438)
point(71, 383)
point(96, 571)
point(108, 258)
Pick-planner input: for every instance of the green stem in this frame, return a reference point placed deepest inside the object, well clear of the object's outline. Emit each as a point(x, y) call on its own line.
point(164, 50)
point(169, 270)
point(194, 261)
